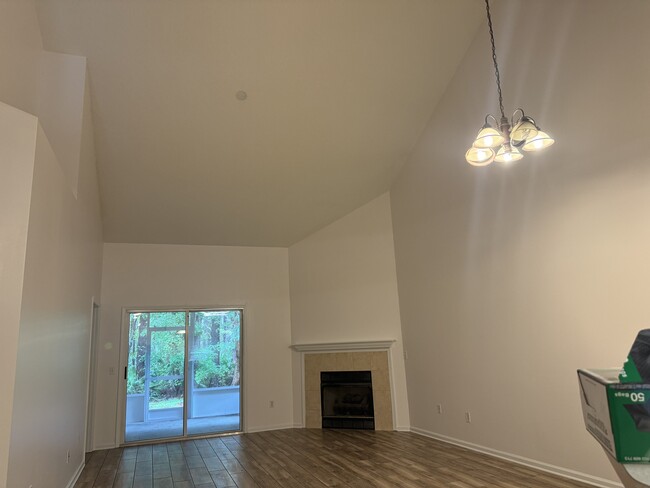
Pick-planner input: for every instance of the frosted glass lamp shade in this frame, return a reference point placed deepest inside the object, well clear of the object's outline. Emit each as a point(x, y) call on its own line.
point(488, 137)
point(508, 155)
point(477, 156)
point(540, 141)
point(523, 130)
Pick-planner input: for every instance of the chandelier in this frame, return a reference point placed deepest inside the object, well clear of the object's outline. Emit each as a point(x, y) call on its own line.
point(501, 140)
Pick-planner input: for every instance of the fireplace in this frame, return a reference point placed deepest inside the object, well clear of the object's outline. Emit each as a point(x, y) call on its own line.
point(377, 362)
point(346, 400)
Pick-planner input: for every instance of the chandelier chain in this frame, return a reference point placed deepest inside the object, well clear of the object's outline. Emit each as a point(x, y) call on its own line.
point(494, 57)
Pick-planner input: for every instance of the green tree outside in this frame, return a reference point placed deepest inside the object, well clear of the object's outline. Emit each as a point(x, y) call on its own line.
point(214, 353)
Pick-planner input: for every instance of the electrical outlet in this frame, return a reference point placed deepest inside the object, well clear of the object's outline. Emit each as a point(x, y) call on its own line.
point(67, 457)
point(468, 417)
point(406, 354)
point(439, 407)
point(271, 404)
point(111, 370)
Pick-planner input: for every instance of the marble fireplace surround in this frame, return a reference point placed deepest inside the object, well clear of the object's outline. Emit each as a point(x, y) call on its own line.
point(373, 356)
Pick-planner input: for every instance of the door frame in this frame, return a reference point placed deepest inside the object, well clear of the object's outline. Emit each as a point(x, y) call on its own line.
point(120, 424)
point(91, 386)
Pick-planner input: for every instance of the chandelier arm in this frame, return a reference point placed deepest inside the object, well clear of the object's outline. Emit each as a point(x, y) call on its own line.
point(496, 122)
point(513, 119)
point(494, 58)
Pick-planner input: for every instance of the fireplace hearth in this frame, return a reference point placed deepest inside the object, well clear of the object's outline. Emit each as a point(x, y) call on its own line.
point(346, 400)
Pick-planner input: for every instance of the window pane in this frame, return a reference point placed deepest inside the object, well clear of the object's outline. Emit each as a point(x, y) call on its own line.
point(214, 366)
point(155, 376)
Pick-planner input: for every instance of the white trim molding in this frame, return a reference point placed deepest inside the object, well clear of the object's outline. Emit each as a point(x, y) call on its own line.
point(76, 475)
point(109, 445)
point(266, 428)
point(344, 346)
point(531, 463)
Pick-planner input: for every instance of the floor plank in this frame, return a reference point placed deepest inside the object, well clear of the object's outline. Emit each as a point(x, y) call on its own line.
point(309, 458)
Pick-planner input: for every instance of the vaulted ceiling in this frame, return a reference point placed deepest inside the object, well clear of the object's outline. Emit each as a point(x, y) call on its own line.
point(337, 92)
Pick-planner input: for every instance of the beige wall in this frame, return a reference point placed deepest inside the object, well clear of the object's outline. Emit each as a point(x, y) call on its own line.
point(62, 275)
point(344, 289)
point(512, 278)
point(168, 275)
point(20, 55)
point(20, 48)
point(17, 144)
point(60, 112)
point(51, 252)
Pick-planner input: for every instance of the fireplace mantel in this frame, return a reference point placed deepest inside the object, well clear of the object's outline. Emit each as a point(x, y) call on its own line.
point(344, 346)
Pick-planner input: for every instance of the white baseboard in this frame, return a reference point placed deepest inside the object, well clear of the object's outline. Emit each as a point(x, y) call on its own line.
point(299, 426)
point(76, 475)
point(269, 427)
point(403, 428)
point(101, 447)
point(531, 463)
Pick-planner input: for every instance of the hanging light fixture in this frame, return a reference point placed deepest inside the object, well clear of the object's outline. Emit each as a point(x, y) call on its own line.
point(501, 140)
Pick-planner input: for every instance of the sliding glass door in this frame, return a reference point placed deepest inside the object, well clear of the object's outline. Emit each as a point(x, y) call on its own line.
point(155, 379)
point(213, 366)
point(165, 349)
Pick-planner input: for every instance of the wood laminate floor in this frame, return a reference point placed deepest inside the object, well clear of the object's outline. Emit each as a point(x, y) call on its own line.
point(305, 458)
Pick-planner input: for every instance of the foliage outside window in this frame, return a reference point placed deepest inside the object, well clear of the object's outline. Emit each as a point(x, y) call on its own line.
point(214, 358)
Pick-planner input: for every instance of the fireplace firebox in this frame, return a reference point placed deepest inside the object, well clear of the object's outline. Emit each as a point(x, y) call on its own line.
point(346, 400)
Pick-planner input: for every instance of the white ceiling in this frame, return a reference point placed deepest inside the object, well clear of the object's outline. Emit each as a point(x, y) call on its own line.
point(338, 93)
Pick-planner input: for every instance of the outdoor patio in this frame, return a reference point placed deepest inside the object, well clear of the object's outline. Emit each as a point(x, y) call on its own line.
point(161, 429)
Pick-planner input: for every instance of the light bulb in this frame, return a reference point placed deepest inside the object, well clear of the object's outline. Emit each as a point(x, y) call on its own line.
point(488, 140)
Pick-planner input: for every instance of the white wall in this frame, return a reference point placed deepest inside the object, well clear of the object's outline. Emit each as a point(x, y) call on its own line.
point(20, 55)
point(511, 278)
point(141, 276)
point(20, 50)
point(50, 259)
point(17, 144)
point(62, 275)
point(344, 289)
point(60, 112)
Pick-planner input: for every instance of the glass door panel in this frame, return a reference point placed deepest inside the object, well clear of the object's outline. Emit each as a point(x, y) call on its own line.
point(155, 379)
point(213, 391)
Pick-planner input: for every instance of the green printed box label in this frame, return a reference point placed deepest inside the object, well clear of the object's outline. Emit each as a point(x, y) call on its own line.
point(629, 409)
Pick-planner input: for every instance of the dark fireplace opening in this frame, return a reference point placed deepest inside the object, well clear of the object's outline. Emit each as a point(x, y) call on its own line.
point(346, 400)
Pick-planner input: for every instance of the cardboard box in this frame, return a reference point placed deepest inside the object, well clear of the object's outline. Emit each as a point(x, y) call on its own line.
point(617, 414)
